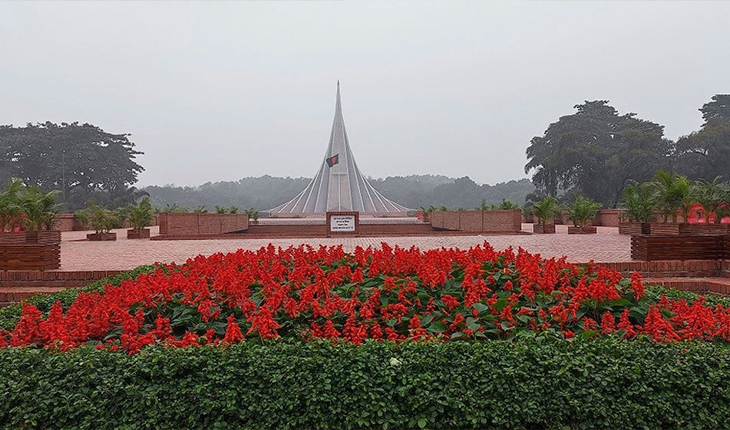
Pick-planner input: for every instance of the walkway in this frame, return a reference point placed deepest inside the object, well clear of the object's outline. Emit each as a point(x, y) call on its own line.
point(79, 254)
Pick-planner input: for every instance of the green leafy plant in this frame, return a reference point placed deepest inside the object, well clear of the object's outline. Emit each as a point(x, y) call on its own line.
point(710, 195)
point(582, 211)
point(200, 210)
point(173, 208)
point(102, 220)
point(10, 208)
point(39, 208)
point(276, 385)
point(639, 200)
point(220, 209)
point(252, 213)
point(546, 209)
point(672, 192)
point(140, 215)
point(507, 205)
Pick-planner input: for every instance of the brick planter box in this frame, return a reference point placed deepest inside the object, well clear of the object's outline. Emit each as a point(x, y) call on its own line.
point(629, 227)
point(662, 228)
point(138, 234)
point(687, 228)
point(543, 229)
point(507, 221)
point(589, 229)
point(30, 250)
point(193, 224)
point(675, 247)
point(101, 237)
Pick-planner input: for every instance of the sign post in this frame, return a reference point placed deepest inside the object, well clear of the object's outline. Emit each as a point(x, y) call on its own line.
point(342, 223)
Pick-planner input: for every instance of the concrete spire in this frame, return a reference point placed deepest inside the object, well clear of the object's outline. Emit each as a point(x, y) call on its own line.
point(339, 185)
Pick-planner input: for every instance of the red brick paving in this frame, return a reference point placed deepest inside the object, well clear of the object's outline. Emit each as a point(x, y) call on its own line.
point(606, 246)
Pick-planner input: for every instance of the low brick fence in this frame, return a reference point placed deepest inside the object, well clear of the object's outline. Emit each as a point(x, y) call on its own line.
point(496, 221)
point(194, 224)
point(648, 247)
point(17, 285)
point(30, 250)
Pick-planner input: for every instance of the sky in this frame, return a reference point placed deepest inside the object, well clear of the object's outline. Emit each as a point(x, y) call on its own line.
point(219, 91)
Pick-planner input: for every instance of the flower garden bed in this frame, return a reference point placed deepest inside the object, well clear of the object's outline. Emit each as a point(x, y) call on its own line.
point(380, 338)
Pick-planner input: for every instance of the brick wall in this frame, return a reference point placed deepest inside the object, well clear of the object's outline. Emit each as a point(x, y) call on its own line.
point(497, 221)
point(673, 268)
point(16, 285)
point(607, 217)
point(194, 224)
point(30, 250)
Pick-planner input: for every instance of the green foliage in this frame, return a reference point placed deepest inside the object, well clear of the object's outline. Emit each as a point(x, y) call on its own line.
point(10, 208)
point(414, 191)
point(546, 209)
point(200, 210)
point(639, 200)
point(81, 160)
point(252, 213)
point(140, 215)
point(711, 195)
point(595, 151)
point(507, 205)
point(705, 154)
point(606, 383)
point(672, 191)
point(102, 220)
point(173, 208)
point(582, 211)
point(28, 206)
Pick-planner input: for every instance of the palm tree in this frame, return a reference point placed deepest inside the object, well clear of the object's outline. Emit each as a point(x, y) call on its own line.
point(639, 200)
point(672, 193)
point(582, 210)
point(10, 209)
point(710, 196)
point(546, 209)
point(40, 208)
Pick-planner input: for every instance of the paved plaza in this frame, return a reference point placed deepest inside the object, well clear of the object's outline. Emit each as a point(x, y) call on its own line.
point(79, 254)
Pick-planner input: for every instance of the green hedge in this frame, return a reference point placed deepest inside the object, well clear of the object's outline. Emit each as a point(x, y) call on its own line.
point(606, 383)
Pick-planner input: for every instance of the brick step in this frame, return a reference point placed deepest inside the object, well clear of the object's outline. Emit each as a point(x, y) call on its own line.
point(719, 286)
point(10, 295)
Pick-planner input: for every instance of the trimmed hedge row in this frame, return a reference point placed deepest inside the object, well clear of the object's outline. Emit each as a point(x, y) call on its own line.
point(604, 383)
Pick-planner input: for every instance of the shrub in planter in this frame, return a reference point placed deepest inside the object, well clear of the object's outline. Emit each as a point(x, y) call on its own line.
point(29, 243)
point(639, 202)
point(252, 213)
point(545, 211)
point(672, 192)
point(528, 213)
point(102, 220)
point(140, 216)
point(581, 212)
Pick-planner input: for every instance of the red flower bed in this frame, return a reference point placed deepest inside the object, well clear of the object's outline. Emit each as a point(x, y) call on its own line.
point(387, 293)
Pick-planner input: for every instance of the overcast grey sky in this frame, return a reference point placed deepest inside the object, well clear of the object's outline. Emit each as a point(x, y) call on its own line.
point(221, 91)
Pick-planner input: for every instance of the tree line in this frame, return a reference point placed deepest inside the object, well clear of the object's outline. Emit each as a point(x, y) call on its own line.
point(82, 161)
point(596, 151)
point(413, 191)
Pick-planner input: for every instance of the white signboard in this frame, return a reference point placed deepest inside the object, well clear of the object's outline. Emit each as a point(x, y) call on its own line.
point(342, 223)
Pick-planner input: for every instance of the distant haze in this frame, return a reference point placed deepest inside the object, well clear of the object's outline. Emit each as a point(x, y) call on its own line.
point(225, 90)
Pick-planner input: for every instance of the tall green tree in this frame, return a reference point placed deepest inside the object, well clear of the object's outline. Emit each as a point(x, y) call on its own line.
point(80, 160)
point(705, 154)
point(595, 152)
